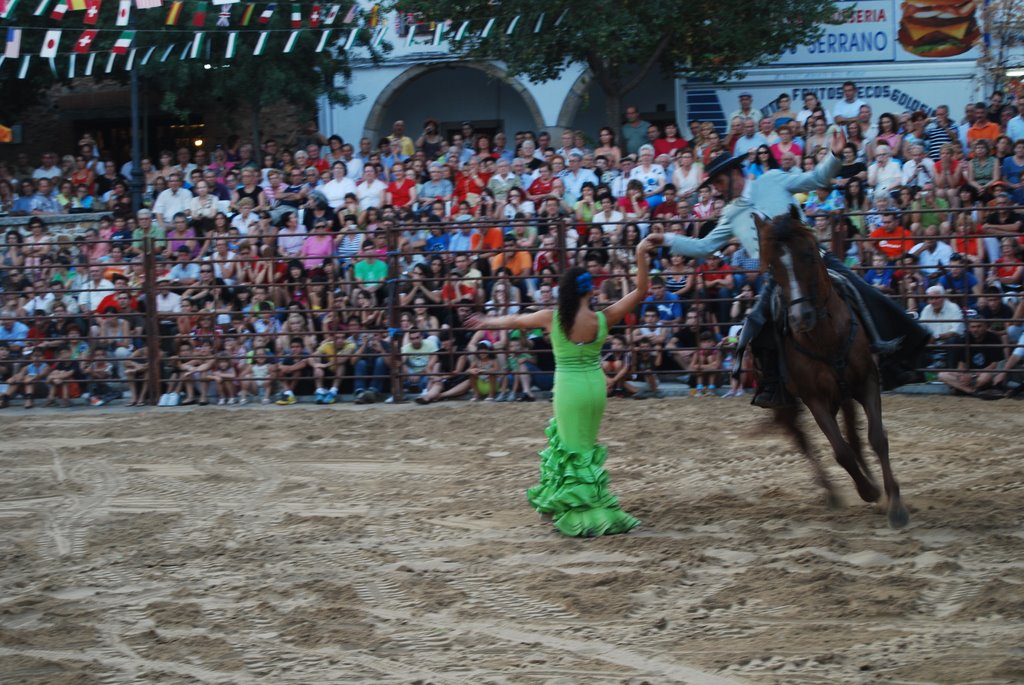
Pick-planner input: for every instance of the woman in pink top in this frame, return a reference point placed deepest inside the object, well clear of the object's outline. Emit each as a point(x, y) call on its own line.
point(318, 245)
point(786, 144)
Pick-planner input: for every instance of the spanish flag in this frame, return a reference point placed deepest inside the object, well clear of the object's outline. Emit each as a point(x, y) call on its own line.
point(174, 13)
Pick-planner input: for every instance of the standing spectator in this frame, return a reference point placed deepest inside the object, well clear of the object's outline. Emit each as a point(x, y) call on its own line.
point(847, 109)
point(634, 131)
point(746, 110)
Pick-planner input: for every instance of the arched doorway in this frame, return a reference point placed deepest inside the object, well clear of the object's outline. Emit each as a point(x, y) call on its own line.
point(452, 92)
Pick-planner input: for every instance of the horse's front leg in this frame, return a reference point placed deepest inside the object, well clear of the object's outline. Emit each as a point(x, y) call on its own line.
point(853, 438)
point(826, 418)
point(872, 402)
point(787, 418)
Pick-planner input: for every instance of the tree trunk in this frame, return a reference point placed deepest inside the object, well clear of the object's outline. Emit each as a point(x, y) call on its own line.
point(613, 111)
point(256, 129)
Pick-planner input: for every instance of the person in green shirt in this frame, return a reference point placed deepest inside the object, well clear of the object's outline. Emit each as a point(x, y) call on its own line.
point(929, 210)
point(370, 271)
point(146, 229)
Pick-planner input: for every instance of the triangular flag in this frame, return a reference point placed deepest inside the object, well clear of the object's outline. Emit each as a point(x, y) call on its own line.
point(558, 22)
point(174, 13)
point(13, 47)
point(124, 41)
point(247, 13)
point(71, 65)
point(110, 62)
point(438, 30)
point(24, 66)
point(291, 42)
point(167, 53)
point(53, 66)
point(149, 53)
point(92, 12)
point(351, 15)
point(314, 17)
point(59, 11)
point(85, 41)
point(184, 51)
point(89, 63)
point(296, 16)
point(332, 14)
point(351, 39)
point(324, 35)
point(267, 13)
point(124, 11)
point(232, 46)
point(462, 30)
point(41, 8)
point(224, 17)
point(131, 59)
point(199, 16)
point(148, 4)
point(512, 26)
point(50, 42)
point(487, 28)
point(261, 43)
point(197, 44)
point(378, 37)
point(540, 23)
point(411, 35)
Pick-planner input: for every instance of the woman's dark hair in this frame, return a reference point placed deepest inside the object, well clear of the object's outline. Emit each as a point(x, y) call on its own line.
point(772, 163)
point(569, 298)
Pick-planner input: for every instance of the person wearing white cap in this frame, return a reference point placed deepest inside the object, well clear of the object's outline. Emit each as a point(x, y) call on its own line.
point(746, 110)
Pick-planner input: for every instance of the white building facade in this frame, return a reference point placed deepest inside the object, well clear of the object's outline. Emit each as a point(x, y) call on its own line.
point(419, 80)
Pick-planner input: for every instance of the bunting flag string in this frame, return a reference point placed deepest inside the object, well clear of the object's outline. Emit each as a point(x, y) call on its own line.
point(305, 15)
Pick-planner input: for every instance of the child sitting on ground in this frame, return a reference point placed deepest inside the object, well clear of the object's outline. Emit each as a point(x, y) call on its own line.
point(705, 366)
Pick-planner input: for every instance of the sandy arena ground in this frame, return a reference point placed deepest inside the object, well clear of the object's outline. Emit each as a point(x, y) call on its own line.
point(317, 545)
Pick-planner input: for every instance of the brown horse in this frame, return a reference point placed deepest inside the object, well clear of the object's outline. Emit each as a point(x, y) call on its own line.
point(828, 360)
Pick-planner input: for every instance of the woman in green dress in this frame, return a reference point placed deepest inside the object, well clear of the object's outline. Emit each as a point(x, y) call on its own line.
point(573, 488)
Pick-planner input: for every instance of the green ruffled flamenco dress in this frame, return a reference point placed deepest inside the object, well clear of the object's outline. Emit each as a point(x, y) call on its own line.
point(573, 487)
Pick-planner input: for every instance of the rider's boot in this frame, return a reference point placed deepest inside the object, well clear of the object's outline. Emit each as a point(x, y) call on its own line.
point(771, 393)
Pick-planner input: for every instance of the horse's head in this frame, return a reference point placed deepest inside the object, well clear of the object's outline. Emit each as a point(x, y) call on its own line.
point(790, 251)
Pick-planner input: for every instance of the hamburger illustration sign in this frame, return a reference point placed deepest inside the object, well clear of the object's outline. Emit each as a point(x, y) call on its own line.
point(893, 31)
point(938, 28)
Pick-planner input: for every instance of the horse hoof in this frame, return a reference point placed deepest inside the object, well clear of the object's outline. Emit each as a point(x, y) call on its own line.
point(898, 517)
point(869, 492)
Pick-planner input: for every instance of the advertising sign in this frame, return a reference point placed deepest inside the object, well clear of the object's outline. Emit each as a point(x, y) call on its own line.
point(893, 31)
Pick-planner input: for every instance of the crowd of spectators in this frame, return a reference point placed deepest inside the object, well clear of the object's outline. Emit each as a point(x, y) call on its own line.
point(326, 269)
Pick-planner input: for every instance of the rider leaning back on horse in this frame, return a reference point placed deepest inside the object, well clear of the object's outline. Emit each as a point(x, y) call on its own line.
point(898, 339)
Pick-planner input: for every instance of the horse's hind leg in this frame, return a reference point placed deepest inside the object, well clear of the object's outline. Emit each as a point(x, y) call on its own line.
point(853, 439)
point(898, 516)
point(787, 418)
point(826, 419)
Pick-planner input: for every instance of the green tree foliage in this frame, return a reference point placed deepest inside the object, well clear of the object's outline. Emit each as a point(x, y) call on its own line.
point(621, 42)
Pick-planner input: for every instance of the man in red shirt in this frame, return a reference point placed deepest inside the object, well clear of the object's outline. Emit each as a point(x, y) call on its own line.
point(891, 239)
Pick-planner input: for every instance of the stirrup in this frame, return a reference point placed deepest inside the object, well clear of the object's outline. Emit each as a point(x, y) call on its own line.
point(771, 396)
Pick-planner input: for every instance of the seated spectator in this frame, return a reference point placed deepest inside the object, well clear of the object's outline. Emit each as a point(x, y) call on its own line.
point(705, 366)
point(959, 283)
point(944, 320)
point(891, 239)
point(617, 364)
point(977, 360)
point(647, 359)
point(885, 173)
point(932, 253)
